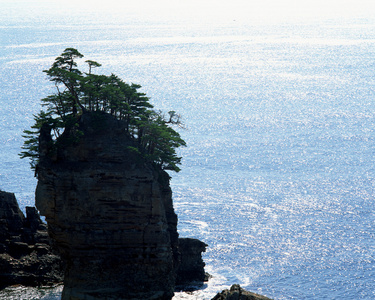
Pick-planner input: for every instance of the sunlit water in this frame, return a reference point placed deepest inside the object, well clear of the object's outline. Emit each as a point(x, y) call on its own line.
point(278, 175)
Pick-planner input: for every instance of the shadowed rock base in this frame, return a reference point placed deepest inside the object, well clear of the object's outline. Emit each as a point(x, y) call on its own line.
point(26, 258)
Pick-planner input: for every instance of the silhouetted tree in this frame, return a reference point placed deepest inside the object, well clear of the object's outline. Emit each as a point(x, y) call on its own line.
point(78, 92)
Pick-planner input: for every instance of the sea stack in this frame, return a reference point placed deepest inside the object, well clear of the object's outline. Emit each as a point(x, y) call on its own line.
point(109, 213)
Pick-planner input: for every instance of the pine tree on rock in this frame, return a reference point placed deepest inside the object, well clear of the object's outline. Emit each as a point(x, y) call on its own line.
point(78, 92)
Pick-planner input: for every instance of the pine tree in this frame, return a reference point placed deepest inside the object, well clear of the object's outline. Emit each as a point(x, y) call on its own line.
point(78, 92)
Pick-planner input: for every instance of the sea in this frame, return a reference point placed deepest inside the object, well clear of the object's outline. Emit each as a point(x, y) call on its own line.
point(278, 103)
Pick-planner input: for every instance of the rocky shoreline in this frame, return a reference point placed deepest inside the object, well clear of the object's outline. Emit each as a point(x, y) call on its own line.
point(27, 258)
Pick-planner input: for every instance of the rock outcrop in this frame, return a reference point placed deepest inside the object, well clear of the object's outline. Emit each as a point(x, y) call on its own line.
point(25, 254)
point(109, 213)
point(191, 267)
point(237, 293)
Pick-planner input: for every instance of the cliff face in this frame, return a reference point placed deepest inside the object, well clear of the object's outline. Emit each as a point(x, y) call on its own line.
point(109, 213)
point(25, 254)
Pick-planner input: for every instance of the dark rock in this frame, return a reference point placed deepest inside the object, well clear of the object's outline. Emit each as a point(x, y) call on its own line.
point(11, 217)
point(191, 268)
point(238, 293)
point(110, 214)
point(25, 254)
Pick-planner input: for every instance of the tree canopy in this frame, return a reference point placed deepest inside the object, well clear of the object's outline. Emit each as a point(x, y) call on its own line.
point(78, 92)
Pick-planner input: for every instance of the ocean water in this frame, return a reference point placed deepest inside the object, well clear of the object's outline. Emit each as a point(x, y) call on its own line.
point(278, 103)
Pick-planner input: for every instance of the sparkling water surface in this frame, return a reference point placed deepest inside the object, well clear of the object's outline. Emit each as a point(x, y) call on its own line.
point(278, 175)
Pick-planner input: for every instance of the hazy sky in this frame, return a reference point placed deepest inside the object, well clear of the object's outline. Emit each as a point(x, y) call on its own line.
point(217, 11)
point(266, 10)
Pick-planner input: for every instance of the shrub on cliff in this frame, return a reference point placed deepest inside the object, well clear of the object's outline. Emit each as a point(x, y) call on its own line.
point(78, 92)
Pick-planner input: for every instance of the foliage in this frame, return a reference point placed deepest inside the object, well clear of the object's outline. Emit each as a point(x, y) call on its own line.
point(78, 92)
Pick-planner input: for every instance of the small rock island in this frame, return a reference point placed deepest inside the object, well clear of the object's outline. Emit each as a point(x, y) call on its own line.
point(110, 215)
point(100, 153)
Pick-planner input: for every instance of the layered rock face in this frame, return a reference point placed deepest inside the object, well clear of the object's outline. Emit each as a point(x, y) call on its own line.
point(109, 213)
point(25, 254)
